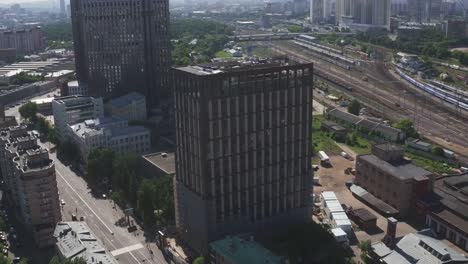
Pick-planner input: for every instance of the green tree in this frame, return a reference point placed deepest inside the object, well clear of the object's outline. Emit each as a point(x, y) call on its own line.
point(199, 260)
point(68, 151)
point(100, 164)
point(124, 177)
point(24, 78)
point(3, 225)
point(57, 260)
point(4, 260)
point(59, 31)
point(354, 107)
point(438, 151)
point(52, 135)
point(407, 127)
point(153, 196)
point(28, 111)
point(365, 247)
point(23, 261)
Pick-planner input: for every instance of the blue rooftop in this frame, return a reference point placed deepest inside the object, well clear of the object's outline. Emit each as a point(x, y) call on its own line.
point(126, 99)
point(238, 250)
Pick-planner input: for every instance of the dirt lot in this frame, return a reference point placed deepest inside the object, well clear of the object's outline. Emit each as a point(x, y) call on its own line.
point(333, 179)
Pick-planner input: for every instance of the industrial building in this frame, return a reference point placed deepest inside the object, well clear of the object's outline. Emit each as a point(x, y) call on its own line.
point(243, 148)
point(70, 110)
point(448, 215)
point(115, 57)
point(388, 175)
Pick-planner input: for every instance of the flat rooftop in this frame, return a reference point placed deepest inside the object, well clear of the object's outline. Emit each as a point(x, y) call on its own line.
point(403, 170)
point(163, 161)
point(239, 250)
point(235, 66)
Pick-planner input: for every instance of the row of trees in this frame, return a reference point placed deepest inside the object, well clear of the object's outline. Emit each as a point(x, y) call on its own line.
point(429, 42)
point(152, 198)
point(29, 111)
point(24, 78)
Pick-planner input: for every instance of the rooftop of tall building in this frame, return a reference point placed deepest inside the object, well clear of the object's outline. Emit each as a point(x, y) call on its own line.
point(235, 66)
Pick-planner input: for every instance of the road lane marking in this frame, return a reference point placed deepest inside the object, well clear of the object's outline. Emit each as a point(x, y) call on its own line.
point(87, 205)
point(124, 250)
point(83, 201)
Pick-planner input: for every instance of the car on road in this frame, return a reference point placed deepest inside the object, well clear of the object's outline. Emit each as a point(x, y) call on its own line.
point(62, 202)
point(104, 196)
point(16, 260)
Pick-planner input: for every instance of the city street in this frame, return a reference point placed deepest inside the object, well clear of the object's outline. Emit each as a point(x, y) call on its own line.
point(100, 214)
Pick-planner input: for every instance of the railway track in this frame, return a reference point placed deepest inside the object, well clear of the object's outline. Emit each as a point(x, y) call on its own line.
point(429, 117)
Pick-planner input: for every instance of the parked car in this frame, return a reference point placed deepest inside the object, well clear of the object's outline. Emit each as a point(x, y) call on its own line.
point(62, 202)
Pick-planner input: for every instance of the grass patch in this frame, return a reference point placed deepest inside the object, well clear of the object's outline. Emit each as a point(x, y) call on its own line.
point(429, 164)
point(223, 54)
point(363, 146)
point(321, 140)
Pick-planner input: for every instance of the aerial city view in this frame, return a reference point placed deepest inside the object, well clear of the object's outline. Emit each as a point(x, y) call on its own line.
point(233, 131)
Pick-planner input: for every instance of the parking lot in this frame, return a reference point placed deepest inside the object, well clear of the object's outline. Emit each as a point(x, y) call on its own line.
point(333, 178)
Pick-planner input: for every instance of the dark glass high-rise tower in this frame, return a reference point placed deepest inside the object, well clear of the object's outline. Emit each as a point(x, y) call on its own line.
point(122, 46)
point(243, 149)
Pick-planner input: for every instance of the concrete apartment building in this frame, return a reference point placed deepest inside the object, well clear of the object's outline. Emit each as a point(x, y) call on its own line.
point(131, 106)
point(74, 109)
point(115, 56)
point(387, 175)
point(25, 40)
point(112, 133)
point(243, 149)
point(363, 14)
point(29, 175)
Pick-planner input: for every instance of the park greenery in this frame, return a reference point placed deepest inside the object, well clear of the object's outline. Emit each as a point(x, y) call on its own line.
point(407, 127)
point(197, 36)
point(354, 107)
point(57, 260)
point(152, 198)
point(60, 31)
point(29, 111)
point(24, 78)
point(430, 42)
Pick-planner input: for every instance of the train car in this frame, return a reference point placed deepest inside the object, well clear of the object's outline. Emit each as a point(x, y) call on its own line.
point(440, 93)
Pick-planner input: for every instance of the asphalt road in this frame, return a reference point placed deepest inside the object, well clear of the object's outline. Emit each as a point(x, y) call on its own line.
point(100, 214)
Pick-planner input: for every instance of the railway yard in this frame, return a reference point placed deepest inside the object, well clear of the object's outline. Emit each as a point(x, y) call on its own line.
point(389, 94)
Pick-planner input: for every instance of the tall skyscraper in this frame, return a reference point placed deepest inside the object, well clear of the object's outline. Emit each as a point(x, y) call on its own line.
point(122, 46)
point(363, 12)
point(316, 11)
point(62, 8)
point(243, 149)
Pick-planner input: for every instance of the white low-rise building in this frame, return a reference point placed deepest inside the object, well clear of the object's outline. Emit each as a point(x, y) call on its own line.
point(112, 133)
point(70, 110)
